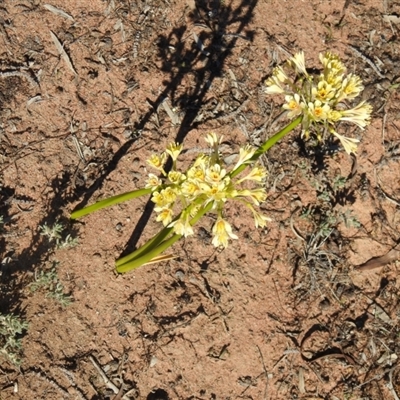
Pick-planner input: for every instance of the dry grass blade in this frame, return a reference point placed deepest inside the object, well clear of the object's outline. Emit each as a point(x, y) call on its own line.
point(78, 148)
point(119, 393)
point(391, 18)
point(62, 52)
point(234, 83)
point(157, 259)
point(119, 26)
point(390, 385)
point(294, 229)
point(233, 78)
point(368, 61)
point(107, 381)
point(174, 117)
point(200, 45)
point(35, 99)
point(302, 386)
point(58, 11)
point(377, 262)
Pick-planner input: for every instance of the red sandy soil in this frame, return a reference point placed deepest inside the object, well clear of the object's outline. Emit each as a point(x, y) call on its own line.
point(285, 312)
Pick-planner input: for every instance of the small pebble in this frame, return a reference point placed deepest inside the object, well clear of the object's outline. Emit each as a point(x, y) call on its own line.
point(153, 361)
point(180, 275)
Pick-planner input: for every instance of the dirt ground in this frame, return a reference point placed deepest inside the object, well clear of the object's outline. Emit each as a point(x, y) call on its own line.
point(307, 308)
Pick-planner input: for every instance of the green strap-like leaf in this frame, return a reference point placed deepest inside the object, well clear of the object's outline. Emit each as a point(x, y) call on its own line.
point(150, 250)
point(119, 198)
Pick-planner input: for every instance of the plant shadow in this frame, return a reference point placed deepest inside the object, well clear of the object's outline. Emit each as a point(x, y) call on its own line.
point(204, 58)
point(221, 26)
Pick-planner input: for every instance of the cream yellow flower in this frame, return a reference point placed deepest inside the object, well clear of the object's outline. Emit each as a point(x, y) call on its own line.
point(293, 105)
point(213, 140)
point(320, 99)
point(153, 182)
point(158, 162)
point(359, 115)
point(215, 193)
point(206, 181)
point(182, 227)
point(349, 144)
point(324, 92)
point(334, 116)
point(176, 177)
point(280, 74)
point(351, 88)
point(165, 215)
point(169, 194)
point(200, 161)
point(300, 63)
point(332, 64)
point(245, 154)
point(256, 195)
point(215, 174)
point(222, 231)
point(159, 199)
point(257, 174)
point(197, 172)
point(174, 149)
point(275, 84)
point(273, 87)
point(259, 219)
point(318, 111)
point(191, 189)
point(164, 197)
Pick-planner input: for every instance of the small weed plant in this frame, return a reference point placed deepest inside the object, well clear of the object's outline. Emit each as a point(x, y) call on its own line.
point(50, 282)
point(11, 328)
point(55, 234)
point(315, 102)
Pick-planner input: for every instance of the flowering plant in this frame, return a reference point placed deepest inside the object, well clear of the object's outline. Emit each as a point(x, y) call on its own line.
point(321, 100)
point(206, 181)
point(181, 198)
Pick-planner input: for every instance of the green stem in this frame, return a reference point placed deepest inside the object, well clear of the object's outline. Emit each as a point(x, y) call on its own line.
point(147, 257)
point(139, 258)
point(148, 246)
point(151, 244)
point(267, 145)
point(119, 198)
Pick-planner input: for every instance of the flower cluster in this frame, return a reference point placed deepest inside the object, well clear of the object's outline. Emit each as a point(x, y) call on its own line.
point(321, 100)
point(206, 181)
